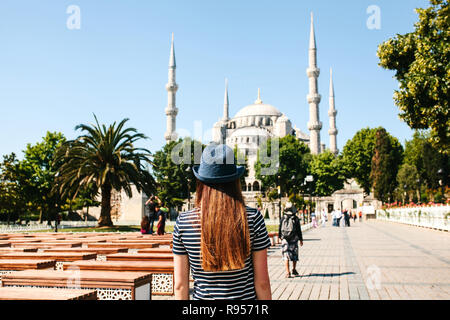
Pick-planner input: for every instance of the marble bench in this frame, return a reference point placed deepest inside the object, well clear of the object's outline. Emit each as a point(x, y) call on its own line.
point(110, 285)
point(13, 265)
point(139, 257)
point(58, 257)
point(133, 245)
point(162, 271)
point(12, 293)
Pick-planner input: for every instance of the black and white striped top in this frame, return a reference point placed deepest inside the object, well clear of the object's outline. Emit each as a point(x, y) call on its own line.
point(236, 284)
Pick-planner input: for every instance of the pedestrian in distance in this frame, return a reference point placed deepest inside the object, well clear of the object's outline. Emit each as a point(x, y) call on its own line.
point(314, 219)
point(346, 218)
point(152, 203)
point(160, 227)
point(334, 217)
point(360, 216)
point(290, 232)
point(338, 217)
point(324, 217)
point(145, 225)
point(223, 242)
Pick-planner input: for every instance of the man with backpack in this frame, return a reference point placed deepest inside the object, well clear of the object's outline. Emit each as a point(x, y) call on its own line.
point(290, 233)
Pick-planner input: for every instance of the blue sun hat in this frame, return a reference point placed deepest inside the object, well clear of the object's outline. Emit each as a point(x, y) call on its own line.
point(218, 165)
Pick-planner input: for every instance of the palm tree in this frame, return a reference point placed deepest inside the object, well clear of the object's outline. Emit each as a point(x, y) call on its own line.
point(107, 158)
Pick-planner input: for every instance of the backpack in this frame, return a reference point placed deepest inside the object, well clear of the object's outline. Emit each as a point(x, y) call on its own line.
point(288, 230)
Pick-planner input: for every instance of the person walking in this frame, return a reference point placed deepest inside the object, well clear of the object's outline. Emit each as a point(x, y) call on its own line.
point(354, 217)
point(360, 216)
point(346, 218)
point(160, 227)
point(338, 217)
point(324, 217)
point(314, 219)
point(223, 242)
point(334, 217)
point(290, 232)
point(145, 225)
point(152, 203)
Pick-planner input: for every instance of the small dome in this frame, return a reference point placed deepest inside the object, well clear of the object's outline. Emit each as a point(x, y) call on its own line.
point(258, 110)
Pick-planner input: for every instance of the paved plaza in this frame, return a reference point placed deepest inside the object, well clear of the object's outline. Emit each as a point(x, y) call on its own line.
point(369, 260)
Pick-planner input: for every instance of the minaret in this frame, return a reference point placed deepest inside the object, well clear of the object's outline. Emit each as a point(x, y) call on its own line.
point(226, 103)
point(314, 124)
point(332, 114)
point(171, 87)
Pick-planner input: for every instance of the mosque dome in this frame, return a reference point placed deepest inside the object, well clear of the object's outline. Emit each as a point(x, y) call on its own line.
point(258, 109)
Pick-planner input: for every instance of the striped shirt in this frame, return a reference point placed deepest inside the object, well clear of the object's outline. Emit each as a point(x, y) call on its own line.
point(236, 284)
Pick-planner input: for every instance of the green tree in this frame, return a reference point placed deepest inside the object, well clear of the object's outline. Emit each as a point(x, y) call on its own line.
point(357, 157)
point(328, 172)
point(421, 60)
point(106, 157)
point(407, 181)
point(39, 171)
point(294, 157)
point(12, 202)
point(173, 170)
point(427, 160)
point(388, 156)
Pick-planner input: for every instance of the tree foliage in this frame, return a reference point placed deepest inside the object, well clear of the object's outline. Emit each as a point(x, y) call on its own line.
point(107, 158)
point(175, 178)
point(427, 160)
point(357, 157)
point(421, 60)
point(38, 174)
point(328, 172)
point(388, 156)
point(294, 157)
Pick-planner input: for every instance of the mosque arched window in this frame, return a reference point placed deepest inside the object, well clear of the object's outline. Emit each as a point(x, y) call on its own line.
point(256, 186)
point(244, 187)
point(249, 187)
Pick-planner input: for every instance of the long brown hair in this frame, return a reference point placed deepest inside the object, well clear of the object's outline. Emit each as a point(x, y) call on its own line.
point(225, 242)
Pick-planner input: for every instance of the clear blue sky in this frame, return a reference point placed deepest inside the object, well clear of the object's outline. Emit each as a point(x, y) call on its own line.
point(53, 78)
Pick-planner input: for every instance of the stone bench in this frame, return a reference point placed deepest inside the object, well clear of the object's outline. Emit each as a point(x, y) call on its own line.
point(62, 244)
point(134, 245)
point(162, 271)
point(13, 265)
point(12, 250)
point(155, 250)
point(12, 293)
point(101, 252)
point(139, 257)
point(110, 285)
point(161, 242)
point(58, 257)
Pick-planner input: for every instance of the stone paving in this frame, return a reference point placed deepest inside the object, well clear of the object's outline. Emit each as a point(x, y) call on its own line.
point(369, 260)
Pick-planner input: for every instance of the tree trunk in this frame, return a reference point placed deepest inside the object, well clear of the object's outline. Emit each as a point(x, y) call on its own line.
point(105, 214)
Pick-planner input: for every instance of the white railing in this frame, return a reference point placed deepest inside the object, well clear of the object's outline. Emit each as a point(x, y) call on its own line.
point(436, 217)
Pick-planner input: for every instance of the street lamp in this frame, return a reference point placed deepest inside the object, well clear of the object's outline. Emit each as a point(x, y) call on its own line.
point(441, 182)
point(309, 178)
point(418, 191)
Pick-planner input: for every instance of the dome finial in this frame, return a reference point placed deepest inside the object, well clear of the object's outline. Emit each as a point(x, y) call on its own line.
point(258, 101)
